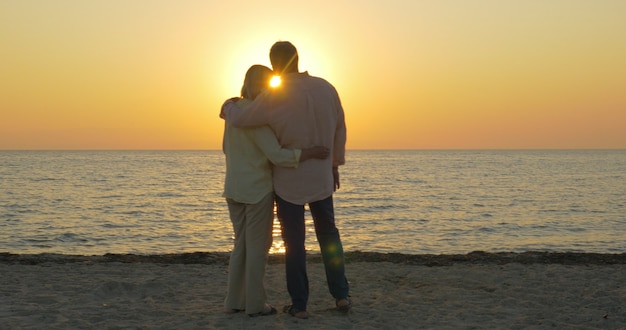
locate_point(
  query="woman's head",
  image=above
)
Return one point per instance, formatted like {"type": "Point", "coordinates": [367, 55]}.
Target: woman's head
{"type": "Point", "coordinates": [257, 79]}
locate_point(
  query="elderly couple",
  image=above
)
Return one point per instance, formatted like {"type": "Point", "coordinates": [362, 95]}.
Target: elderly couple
{"type": "Point", "coordinates": [277, 143]}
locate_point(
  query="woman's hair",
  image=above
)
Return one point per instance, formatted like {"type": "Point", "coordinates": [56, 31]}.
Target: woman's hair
{"type": "Point", "coordinates": [256, 80]}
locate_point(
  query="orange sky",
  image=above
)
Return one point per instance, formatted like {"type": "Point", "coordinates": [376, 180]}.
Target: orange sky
{"type": "Point", "coordinates": [152, 74]}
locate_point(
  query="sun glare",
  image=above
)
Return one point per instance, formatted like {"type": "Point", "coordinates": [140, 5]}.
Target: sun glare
{"type": "Point", "coordinates": [275, 81]}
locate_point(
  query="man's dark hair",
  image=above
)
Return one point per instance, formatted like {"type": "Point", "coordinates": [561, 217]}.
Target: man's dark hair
{"type": "Point", "coordinates": [284, 57]}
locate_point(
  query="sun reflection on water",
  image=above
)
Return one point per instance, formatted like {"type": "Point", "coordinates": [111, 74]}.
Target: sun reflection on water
{"type": "Point", "coordinates": [278, 246]}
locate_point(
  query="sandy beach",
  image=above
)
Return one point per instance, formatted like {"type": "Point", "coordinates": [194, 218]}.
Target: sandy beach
{"type": "Point", "coordinates": [389, 291]}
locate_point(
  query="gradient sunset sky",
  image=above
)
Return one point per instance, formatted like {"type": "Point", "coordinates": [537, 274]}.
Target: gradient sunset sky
{"type": "Point", "coordinates": [412, 74]}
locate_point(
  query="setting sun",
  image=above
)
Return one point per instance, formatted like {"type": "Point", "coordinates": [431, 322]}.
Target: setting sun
{"type": "Point", "coordinates": [275, 81]}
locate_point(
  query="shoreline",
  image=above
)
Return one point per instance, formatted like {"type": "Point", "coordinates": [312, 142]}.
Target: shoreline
{"type": "Point", "coordinates": [431, 260]}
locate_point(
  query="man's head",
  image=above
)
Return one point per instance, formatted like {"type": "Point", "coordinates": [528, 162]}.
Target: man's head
{"type": "Point", "coordinates": [284, 57]}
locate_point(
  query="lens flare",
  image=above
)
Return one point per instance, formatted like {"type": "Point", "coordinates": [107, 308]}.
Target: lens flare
{"type": "Point", "coordinates": [275, 81]}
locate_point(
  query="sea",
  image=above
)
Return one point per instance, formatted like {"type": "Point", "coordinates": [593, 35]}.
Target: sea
{"type": "Point", "coordinates": [390, 201]}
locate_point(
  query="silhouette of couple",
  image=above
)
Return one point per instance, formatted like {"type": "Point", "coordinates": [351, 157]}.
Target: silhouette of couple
{"type": "Point", "coordinates": [282, 145]}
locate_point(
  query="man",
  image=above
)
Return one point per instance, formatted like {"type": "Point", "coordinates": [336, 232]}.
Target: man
{"type": "Point", "coordinates": [304, 111]}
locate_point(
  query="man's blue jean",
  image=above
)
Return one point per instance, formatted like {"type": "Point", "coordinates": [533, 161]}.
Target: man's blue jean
{"type": "Point", "coordinates": [291, 217]}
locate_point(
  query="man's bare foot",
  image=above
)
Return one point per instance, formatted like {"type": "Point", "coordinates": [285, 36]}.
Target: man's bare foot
{"type": "Point", "coordinates": [343, 304]}
{"type": "Point", "coordinates": [295, 312]}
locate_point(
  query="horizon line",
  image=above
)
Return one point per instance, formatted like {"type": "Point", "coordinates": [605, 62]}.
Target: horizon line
{"type": "Point", "coordinates": [348, 149]}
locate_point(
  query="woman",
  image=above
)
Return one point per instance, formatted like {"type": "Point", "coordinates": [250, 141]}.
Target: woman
{"type": "Point", "coordinates": [248, 189]}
